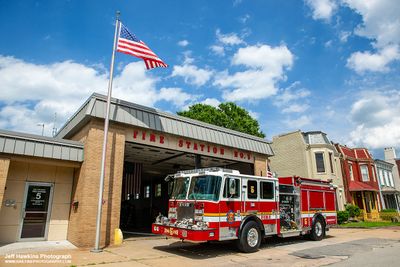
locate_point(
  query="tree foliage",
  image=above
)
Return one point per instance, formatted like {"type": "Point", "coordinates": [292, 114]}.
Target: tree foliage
{"type": "Point", "coordinates": [228, 115]}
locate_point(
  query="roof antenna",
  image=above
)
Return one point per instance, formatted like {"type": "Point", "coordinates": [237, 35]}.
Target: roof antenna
{"type": "Point", "coordinates": [54, 132]}
{"type": "Point", "coordinates": [41, 125]}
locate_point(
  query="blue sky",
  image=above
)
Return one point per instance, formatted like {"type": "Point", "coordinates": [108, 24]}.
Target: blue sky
{"type": "Point", "coordinates": [325, 65]}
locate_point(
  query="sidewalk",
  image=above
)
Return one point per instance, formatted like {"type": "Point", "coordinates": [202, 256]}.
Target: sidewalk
{"type": "Point", "coordinates": [171, 252]}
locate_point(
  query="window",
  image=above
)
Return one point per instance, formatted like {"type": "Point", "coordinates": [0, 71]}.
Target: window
{"type": "Point", "coordinates": [319, 160]}
{"type": "Point", "coordinates": [391, 179]}
{"type": "Point", "coordinates": [267, 190]}
{"type": "Point", "coordinates": [380, 173]}
{"type": "Point", "coordinates": [237, 188]}
{"type": "Point", "coordinates": [205, 187]}
{"type": "Point", "coordinates": [330, 161]}
{"type": "Point", "coordinates": [364, 173]}
{"type": "Point", "coordinates": [385, 174]}
{"type": "Point", "coordinates": [180, 189]}
{"type": "Point", "coordinates": [157, 193]}
{"type": "Point", "coordinates": [147, 191]}
{"type": "Point", "coordinates": [351, 171]}
{"type": "Point", "coordinates": [252, 189]}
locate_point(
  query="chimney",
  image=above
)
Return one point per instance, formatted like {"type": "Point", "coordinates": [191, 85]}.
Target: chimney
{"type": "Point", "coordinates": [390, 153]}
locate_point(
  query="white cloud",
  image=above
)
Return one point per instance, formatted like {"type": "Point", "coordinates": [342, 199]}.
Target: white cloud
{"type": "Point", "coordinates": [265, 68]}
{"type": "Point", "coordinates": [380, 24]}
{"type": "Point", "coordinates": [298, 123]}
{"type": "Point", "coordinates": [32, 93]}
{"type": "Point", "coordinates": [295, 108]}
{"type": "Point", "coordinates": [218, 50]}
{"type": "Point", "coordinates": [328, 43]}
{"type": "Point", "coordinates": [291, 94]}
{"type": "Point", "coordinates": [183, 43]}
{"type": "Point", "coordinates": [229, 38]}
{"type": "Point", "coordinates": [211, 101]}
{"type": "Point", "coordinates": [225, 42]}
{"type": "Point", "coordinates": [192, 74]}
{"type": "Point", "coordinates": [136, 85]}
{"type": "Point", "coordinates": [237, 2]}
{"type": "Point", "coordinates": [381, 20]}
{"type": "Point", "coordinates": [253, 114]}
{"type": "Point", "coordinates": [176, 96]}
{"type": "Point", "coordinates": [322, 9]}
{"type": "Point", "coordinates": [378, 62]}
{"type": "Point", "coordinates": [243, 19]}
{"type": "Point", "coordinates": [344, 35]}
{"type": "Point", "coordinates": [376, 119]}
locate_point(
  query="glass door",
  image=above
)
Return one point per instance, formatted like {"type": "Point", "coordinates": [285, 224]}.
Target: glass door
{"type": "Point", "coordinates": [35, 215]}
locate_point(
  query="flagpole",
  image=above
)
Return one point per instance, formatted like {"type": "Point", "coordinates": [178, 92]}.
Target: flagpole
{"type": "Point", "coordinates": [103, 156]}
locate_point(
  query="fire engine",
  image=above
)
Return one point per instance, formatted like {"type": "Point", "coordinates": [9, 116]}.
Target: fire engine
{"type": "Point", "coordinates": [218, 204]}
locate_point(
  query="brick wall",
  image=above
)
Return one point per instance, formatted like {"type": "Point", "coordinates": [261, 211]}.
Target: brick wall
{"type": "Point", "coordinates": [82, 227]}
{"type": "Point", "coordinates": [260, 166]}
{"type": "Point", "coordinates": [4, 164]}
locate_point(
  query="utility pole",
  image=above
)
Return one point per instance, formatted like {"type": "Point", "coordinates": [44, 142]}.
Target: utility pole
{"type": "Point", "coordinates": [54, 125]}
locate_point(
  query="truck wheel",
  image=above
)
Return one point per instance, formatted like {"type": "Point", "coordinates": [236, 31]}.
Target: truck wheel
{"type": "Point", "coordinates": [317, 230]}
{"type": "Point", "coordinates": [250, 238]}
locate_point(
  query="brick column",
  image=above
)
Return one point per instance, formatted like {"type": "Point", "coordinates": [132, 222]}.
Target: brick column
{"type": "Point", "coordinates": [260, 166]}
{"type": "Point", "coordinates": [82, 224]}
{"type": "Point", "coordinates": [4, 164]}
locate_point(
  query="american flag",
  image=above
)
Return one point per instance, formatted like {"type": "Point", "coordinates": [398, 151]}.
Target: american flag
{"type": "Point", "coordinates": [129, 44]}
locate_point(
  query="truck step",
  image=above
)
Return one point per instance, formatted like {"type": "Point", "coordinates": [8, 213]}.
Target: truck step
{"type": "Point", "coordinates": [290, 233]}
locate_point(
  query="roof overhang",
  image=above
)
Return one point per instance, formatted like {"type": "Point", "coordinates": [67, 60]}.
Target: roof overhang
{"type": "Point", "coordinates": [135, 115]}
{"type": "Point", "coordinates": [21, 144]}
{"type": "Point", "coordinates": [360, 186]}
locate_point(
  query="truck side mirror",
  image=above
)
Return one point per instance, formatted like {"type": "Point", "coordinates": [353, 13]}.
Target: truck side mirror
{"type": "Point", "coordinates": [232, 187]}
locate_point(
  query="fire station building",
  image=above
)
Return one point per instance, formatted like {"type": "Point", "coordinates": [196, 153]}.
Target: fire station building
{"type": "Point", "coordinates": [49, 186]}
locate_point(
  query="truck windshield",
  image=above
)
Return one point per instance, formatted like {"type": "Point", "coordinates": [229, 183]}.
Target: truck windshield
{"type": "Point", "coordinates": [205, 187]}
{"type": "Point", "coordinates": [180, 188]}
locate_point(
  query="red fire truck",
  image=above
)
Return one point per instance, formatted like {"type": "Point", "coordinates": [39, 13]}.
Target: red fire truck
{"type": "Point", "coordinates": [220, 204]}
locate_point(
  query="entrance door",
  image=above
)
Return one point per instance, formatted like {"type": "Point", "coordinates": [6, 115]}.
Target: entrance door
{"type": "Point", "coordinates": [36, 212]}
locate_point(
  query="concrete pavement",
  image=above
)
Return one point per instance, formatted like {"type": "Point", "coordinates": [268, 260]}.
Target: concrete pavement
{"type": "Point", "coordinates": [342, 247]}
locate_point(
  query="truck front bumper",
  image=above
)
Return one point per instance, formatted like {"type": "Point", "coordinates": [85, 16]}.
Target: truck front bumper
{"type": "Point", "coordinates": [184, 233]}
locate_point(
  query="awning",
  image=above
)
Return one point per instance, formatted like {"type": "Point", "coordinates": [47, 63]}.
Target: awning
{"type": "Point", "coordinates": [360, 186]}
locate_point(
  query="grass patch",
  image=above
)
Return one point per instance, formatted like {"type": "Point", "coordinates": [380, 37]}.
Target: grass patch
{"type": "Point", "coordinates": [362, 224]}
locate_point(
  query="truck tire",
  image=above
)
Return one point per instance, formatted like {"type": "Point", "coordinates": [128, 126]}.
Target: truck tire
{"type": "Point", "coordinates": [317, 230]}
{"type": "Point", "coordinates": [250, 238]}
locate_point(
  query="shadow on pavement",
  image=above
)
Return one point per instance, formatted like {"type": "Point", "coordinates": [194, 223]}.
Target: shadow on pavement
{"type": "Point", "coordinates": [216, 249]}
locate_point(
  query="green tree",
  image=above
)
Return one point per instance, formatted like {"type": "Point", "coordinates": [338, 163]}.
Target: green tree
{"type": "Point", "coordinates": [228, 115]}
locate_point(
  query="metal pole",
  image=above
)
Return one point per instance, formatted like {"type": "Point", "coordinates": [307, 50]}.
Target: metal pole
{"type": "Point", "coordinates": [103, 156]}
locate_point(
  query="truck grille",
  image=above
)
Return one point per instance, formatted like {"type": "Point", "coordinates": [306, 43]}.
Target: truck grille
{"type": "Point", "coordinates": [185, 211]}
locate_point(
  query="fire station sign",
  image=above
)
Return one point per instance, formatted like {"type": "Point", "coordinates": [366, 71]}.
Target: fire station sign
{"type": "Point", "coordinates": [148, 137]}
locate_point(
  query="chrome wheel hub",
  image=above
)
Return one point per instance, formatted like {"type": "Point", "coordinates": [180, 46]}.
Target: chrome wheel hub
{"type": "Point", "coordinates": [318, 228]}
{"type": "Point", "coordinates": [252, 237]}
